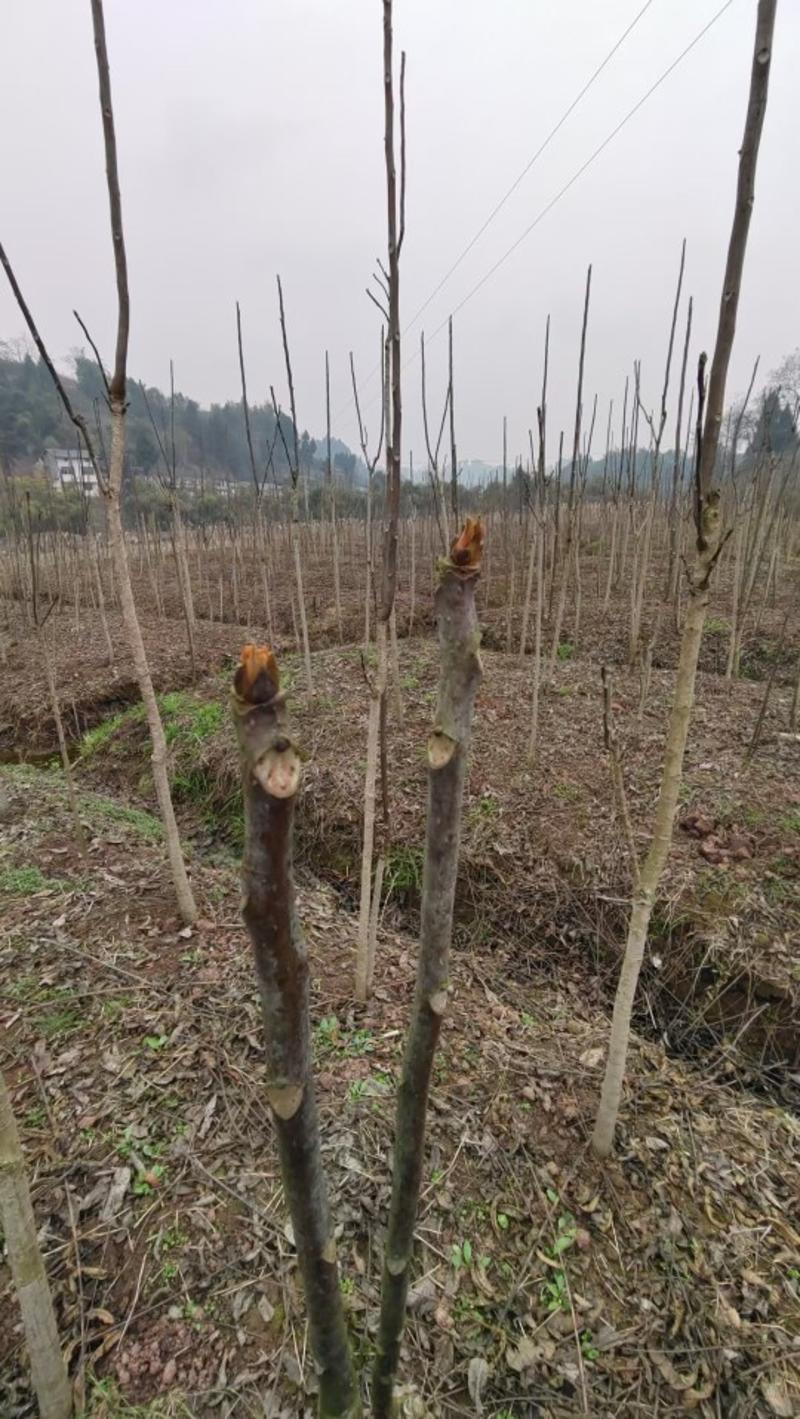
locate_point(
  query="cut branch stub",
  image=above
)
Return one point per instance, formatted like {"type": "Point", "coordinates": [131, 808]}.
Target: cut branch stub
{"type": "Point", "coordinates": [467, 549]}
{"type": "Point", "coordinates": [271, 755]}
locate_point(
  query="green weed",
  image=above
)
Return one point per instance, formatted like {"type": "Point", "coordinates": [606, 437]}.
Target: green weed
{"type": "Point", "coordinates": [115, 1006]}
{"type": "Point", "coordinates": [589, 1350]}
{"type": "Point", "coordinates": [148, 1182]}
{"type": "Point", "coordinates": [566, 650]}
{"type": "Point", "coordinates": [24, 881]}
{"type": "Point", "coordinates": [484, 809]}
{"type": "Point", "coordinates": [330, 1038]}
{"type": "Point", "coordinates": [567, 792]}
{"type": "Point", "coordinates": [192, 785]}
{"type": "Point", "coordinates": [404, 870]}
{"type": "Point", "coordinates": [106, 1402]}
{"type": "Point", "coordinates": [555, 1290]}
{"type": "Point", "coordinates": [461, 1254]}
{"type": "Point", "coordinates": [170, 1239]}
{"type": "Point", "coordinates": [142, 822]}
{"type": "Point", "coordinates": [554, 1293]}
{"type": "Point", "coordinates": [189, 719]}
{"type": "Point", "coordinates": [62, 1022]}
{"type": "Point", "coordinates": [102, 733]}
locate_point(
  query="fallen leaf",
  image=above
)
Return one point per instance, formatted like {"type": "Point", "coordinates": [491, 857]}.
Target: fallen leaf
{"type": "Point", "coordinates": [477, 1375]}
{"type": "Point", "coordinates": [779, 1401]}
{"type": "Point", "coordinates": [120, 1183]}
{"type": "Point", "coordinates": [527, 1353]}
{"type": "Point", "coordinates": [423, 1294]}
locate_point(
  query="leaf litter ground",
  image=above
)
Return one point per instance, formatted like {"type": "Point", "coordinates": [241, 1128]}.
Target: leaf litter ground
{"type": "Point", "coordinates": [544, 1284]}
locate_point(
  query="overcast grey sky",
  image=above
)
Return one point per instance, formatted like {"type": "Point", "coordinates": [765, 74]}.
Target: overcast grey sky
{"type": "Point", "coordinates": [250, 141]}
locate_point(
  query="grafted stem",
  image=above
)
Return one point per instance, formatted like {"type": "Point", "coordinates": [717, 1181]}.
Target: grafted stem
{"type": "Point", "coordinates": [448, 748]}
{"type": "Point", "coordinates": [270, 779]}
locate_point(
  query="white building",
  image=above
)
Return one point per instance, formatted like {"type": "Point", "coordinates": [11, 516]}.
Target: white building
{"type": "Point", "coordinates": [69, 468]}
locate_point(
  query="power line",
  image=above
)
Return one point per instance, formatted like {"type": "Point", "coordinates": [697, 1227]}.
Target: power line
{"type": "Point", "coordinates": [515, 184]}
{"type": "Point", "coordinates": [576, 175]}
{"type": "Point", "coordinates": [583, 168]}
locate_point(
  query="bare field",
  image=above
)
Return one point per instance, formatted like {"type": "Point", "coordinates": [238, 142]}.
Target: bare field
{"type": "Point", "coordinates": [665, 1281]}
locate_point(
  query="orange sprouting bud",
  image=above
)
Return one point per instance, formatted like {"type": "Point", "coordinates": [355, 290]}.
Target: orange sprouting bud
{"type": "Point", "coordinates": [466, 550]}
{"type": "Point", "coordinates": [257, 678]}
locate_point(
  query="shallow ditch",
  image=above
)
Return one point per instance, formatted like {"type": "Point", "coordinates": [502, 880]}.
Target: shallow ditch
{"type": "Point", "coordinates": [700, 999]}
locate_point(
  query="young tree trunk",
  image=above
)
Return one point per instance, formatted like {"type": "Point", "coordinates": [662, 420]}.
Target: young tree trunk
{"type": "Point", "coordinates": [270, 779]}
{"type": "Point", "coordinates": [537, 640]}
{"type": "Point", "coordinates": [62, 742]}
{"type": "Point", "coordinates": [448, 748]}
{"type": "Point", "coordinates": [330, 488]}
{"type": "Point", "coordinates": [184, 581]}
{"type": "Point", "coordinates": [707, 525]}
{"type": "Point", "coordinates": [413, 587]}
{"type": "Point", "coordinates": [653, 866]}
{"type": "Point", "coordinates": [510, 606]}
{"type": "Point", "coordinates": [370, 579]}
{"type": "Point", "coordinates": [301, 600]}
{"type": "Point", "coordinates": [377, 689]}
{"type": "Point", "coordinates": [133, 633]}
{"type": "Point", "coordinates": [526, 607]}
{"type": "Point", "coordinates": [397, 691]}
{"type": "Point", "coordinates": [393, 422]}
{"type": "Point", "coordinates": [48, 1372]}
{"type": "Point", "coordinates": [101, 600]}
{"type": "Point", "coordinates": [111, 485]}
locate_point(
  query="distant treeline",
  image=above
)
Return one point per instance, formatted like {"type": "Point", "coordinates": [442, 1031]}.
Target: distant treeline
{"type": "Point", "coordinates": [210, 441]}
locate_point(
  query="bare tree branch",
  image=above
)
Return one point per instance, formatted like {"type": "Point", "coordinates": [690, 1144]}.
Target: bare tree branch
{"type": "Point", "coordinates": [96, 354]}
{"type": "Point", "coordinates": [245, 409]}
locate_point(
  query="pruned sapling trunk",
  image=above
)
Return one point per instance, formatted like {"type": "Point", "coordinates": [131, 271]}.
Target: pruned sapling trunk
{"type": "Point", "coordinates": [270, 779]}
{"type": "Point", "coordinates": [448, 748]}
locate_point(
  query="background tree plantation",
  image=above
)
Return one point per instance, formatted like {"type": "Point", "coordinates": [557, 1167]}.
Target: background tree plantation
{"type": "Point", "coordinates": [400, 847]}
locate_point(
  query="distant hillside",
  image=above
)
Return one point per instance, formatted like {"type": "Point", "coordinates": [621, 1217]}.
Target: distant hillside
{"type": "Point", "coordinates": [207, 441]}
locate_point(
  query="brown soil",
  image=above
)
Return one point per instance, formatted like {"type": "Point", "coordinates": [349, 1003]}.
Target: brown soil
{"type": "Point", "coordinates": [544, 867]}
{"type": "Point", "coordinates": [665, 1281]}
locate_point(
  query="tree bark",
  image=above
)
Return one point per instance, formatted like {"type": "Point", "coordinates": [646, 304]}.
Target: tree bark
{"type": "Point", "coordinates": [133, 633]}
{"type": "Point", "coordinates": [270, 779]}
{"type": "Point", "coordinates": [377, 690]}
{"type": "Point", "coordinates": [48, 1371]}
{"type": "Point", "coordinates": [448, 748]}
{"type": "Point", "coordinates": [708, 529]}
